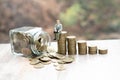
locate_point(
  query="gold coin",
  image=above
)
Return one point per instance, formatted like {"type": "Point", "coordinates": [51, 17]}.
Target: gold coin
{"type": "Point", "coordinates": [53, 56]}
{"type": "Point", "coordinates": [71, 56]}
{"type": "Point", "coordinates": [55, 64]}
{"type": "Point", "coordinates": [46, 63]}
{"type": "Point", "coordinates": [59, 56]}
{"type": "Point", "coordinates": [54, 60]}
{"type": "Point", "coordinates": [34, 61]}
{"type": "Point", "coordinates": [45, 59]}
{"type": "Point", "coordinates": [50, 56]}
{"type": "Point", "coordinates": [39, 65]}
{"type": "Point", "coordinates": [60, 67]}
{"type": "Point", "coordinates": [61, 62]}
{"type": "Point", "coordinates": [68, 60]}
{"type": "Point", "coordinates": [26, 51]}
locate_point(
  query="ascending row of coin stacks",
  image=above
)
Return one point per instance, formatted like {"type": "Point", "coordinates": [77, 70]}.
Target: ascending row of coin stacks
{"type": "Point", "coordinates": [68, 43]}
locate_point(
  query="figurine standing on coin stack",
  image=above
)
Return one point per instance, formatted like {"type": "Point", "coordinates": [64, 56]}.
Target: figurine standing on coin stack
{"type": "Point", "coordinates": [71, 41]}
{"type": "Point", "coordinates": [57, 30]}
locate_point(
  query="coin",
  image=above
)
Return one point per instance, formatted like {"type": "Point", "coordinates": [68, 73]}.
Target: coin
{"type": "Point", "coordinates": [54, 60]}
{"type": "Point", "coordinates": [50, 56]}
{"type": "Point", "coordinates": [34, 61]}
{"type": "Point", "coordinates": [38, 45]}
{"type": "Point", "coordinates": [60, 67]}
{"type": "Point", "coordinates": [61, 62]}
{"type": "Point", "coordinates": [26, 51]}
{"type": "Point", "coordinates": [68, 60]}
{"type": "Point", "coordinates": [46, 63]}
{"type": "Point", "coordinates": [58, 56]}
{"type": "Point", "coordinates": [39, 65]}
{"type": "Point", "coordinates": [45, 59]}
{"type": "Point", "coordinates": [55, 64]}
{"type": "Point", "coordinates": [43, 48]}
{"type": "Point", "coordinates": [54, 56]}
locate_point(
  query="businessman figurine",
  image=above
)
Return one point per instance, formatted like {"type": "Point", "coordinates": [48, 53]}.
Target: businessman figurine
{"type": "Point", "coordinates": [57, 30]}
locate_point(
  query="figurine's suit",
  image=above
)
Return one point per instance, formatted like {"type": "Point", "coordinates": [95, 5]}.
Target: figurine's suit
{"type": "Point", "coordinates": [57, 30]}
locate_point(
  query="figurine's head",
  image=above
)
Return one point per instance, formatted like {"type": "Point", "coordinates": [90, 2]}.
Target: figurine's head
{"type": "Point", "coordinates": [58, 21]}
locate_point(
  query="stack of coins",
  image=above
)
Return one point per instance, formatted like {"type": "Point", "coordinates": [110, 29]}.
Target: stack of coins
{"type": "Point", "coordinates": [92, 49]}
{"type": "Point", "coordinates": [71, 45]}
{"type": "Point", "coordinates": [82, 47]}
{"type": "Point", "coordinates": [102, 51]}
{"type": "Point", "coordinates": [62, 43]}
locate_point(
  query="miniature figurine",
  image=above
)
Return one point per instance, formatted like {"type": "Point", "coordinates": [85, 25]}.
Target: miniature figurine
{"type": "Point", "coordinates": [57, 30]}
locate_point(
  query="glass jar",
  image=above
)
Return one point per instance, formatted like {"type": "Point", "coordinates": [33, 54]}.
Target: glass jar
{"type": "Point", "coordinates": [28, 41]}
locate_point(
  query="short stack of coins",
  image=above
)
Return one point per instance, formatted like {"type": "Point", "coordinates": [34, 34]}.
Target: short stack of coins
{"type": "Point", "coordinates": [71, 45]}
{"type": "Point", "coordinates": [102, 51]}
{"type": "Point", "coordinates": [82, 47]}
{"type": "Point", "coordinates": [92, 49]}
{"type": "Point", "coordinates": [62, 43]}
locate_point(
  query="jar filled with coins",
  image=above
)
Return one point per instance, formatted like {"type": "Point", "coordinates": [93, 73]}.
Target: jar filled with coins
{"type": "Point", "coordinates": [25, 41]}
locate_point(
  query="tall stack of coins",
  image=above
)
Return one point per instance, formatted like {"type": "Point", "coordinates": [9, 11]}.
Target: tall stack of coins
{"type": "Point", "coordinates": [82, 47]}
{"type": "Point", "coordinates": [92, 49]}
{"type": "Point", "coordinates": [71, 44]}
{"type": "Point", "coordinates": [62, 43]}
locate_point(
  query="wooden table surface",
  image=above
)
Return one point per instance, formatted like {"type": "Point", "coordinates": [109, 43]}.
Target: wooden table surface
{"type": "Point", "coordinates": [85, 67]}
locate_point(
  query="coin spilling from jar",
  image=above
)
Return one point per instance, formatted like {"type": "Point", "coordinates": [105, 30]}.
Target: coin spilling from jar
{"type": "Point", "coordinates": [58, 60]}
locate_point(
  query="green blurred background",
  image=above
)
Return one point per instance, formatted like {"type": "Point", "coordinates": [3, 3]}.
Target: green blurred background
{"type": "Point", "coordinates": [86, 19]}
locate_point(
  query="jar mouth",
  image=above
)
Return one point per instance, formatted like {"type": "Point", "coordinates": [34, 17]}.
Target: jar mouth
{"type": "Point", "coordinates": [39, 46]}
